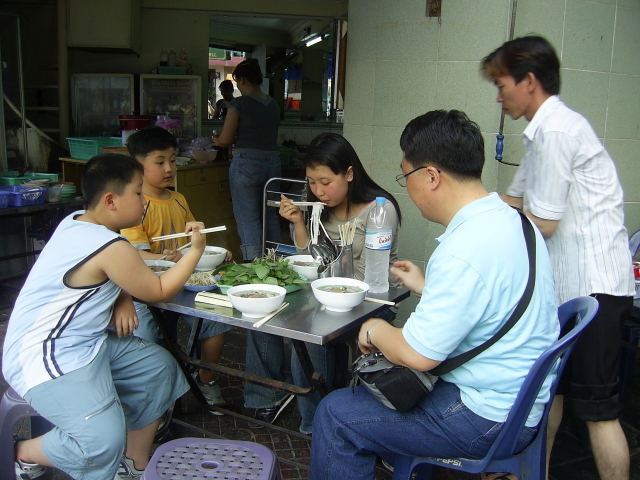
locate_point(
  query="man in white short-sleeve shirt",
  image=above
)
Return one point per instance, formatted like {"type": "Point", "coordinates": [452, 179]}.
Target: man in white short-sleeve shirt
{"type": "Point", "coordinates": [568, 185]}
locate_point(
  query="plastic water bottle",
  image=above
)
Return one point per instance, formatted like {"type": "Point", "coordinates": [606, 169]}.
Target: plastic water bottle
{"type": "Point", "coordinates": [378, 241]}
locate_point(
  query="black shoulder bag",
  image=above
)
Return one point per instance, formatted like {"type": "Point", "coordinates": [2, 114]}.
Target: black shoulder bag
{"type": "Point", "coordinates": [401, 388]}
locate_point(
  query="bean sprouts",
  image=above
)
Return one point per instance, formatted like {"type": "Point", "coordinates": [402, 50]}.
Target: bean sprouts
{"type": "Point", "coordinates": [201, 279]}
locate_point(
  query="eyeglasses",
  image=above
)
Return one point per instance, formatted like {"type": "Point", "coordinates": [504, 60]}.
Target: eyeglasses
{"type": "Point", "coordinates": [402, 178]}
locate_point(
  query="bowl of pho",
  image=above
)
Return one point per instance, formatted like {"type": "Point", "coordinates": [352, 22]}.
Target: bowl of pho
{"type": "Point", "coordinates": [159, 266]}
{"type": "Point", "coordinates": [255, 300]}
{"type": "Point", "coordinates": [305, 265]}
{"type": "Point", "coordinates": [339, 294]}
{"type": "Point", "coordinates": [210, 259]}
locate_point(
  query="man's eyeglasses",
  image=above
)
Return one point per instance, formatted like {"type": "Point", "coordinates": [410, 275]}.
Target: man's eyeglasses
{"type": "Point", "coordinates": [402, 178]}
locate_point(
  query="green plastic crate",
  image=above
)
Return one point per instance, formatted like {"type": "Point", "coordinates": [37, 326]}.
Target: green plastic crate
{"type": "Point", "coordinates": [83, 148]}
{"type": "Point", "coordinates": [10, 173]}
{"type": "Point", "coordinates": [53, 177]}
{"type": "Point", "coordinates": [12, 181]}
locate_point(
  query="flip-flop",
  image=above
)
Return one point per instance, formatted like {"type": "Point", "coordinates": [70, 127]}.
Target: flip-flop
{"type": "Point", "coordinates": [504, 476]}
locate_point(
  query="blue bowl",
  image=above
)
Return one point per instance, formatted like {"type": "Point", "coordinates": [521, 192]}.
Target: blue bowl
{"type": "Point", "coordinates": [205, 288]}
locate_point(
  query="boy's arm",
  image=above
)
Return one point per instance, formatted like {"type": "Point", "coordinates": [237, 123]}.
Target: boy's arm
{"type": "Point", "coordinates": [124, 318]}
{"type": "Point", "coordinates": [121, 263]}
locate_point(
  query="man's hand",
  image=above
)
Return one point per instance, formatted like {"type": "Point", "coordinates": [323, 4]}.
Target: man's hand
{"type": "Point", "coordinates": [363, 344]}
{"type": "Point", "coordinates": [124, 318]}
{"type": "Point", "coordinates": [409, 275]}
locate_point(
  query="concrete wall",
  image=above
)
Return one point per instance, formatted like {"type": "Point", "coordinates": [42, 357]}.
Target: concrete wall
{"type": "Point", "coordinates": [402, 64]}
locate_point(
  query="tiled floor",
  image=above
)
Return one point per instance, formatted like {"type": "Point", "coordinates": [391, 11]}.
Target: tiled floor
{"type": "Point", "coordinates": [570, 460]}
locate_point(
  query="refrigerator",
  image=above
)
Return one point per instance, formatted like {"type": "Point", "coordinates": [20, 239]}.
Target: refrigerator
{"type": "Point", "coordinates": [97, 100]}
{"type": "Point", "coordinates": [177, 97]}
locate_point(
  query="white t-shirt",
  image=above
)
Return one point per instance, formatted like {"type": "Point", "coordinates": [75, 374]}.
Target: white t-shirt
{"type": "Point", "coordinates": [568, 176]}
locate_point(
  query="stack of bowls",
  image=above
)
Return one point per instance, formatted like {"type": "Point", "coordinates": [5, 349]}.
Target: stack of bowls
{"type": "Point", "coordinates": [68, 189]}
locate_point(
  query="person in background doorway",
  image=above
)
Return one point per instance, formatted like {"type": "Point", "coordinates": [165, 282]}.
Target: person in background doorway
{"type": "Point", "coordinates": [252, 126]}
{"type": "Point", "coordinates": [568, 186]}
{"type": "Point", "coordinates": [226, 90]}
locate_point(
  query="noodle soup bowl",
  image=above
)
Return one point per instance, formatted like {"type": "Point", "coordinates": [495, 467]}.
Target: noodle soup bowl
{"type": "Point", "coordinates": [347, 293]}
{"type": "Point", "coordinates": [159, 266]}
{"type": "Point", "coordinates": [254, 306]}
{"type": "Point", "coordinates": [301, 264]}
{"type": "Point", "coordinates": [210, 259]}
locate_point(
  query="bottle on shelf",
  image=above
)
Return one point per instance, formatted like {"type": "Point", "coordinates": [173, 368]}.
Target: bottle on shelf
{"type": "Point", "coordinates": [183, 58]}
{"type": "Point", "coordinates": [222, 152]}
{"type": "Point", "coordinates": [164, 58]}
{"type": "Point", "coordinates": [172, 58]}
{"type": "Point", "coordinates": [379, 236]}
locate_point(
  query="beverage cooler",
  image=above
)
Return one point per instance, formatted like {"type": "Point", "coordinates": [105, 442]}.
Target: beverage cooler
{"type": "Point", "coordinates": [97, 101]}
{"type": "Point", "coordinates": [173, 97]}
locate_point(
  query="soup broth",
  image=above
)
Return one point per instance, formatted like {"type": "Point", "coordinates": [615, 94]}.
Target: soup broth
{"type": "Point", "coordinates": [206, 252]}
{"type": "Point", "coordinates": [159, 269]}
{"type": "Point", "coordinates": [306, 264]}
{"type": "Point", "coordinates": [340, 289]}
{"type": "Point", "coordinates": [256, 294]}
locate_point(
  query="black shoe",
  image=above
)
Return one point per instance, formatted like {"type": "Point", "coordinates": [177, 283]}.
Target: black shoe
{"type": "Point", "coordinates": [270, 414]}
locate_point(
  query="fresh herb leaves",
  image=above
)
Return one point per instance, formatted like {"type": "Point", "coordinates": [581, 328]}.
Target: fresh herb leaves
{"type": "Point", "coordinates": [269, 271]}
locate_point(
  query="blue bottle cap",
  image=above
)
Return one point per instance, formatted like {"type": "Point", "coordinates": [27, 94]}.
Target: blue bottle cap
{"type": "Point", "coordinates": [381, 200]}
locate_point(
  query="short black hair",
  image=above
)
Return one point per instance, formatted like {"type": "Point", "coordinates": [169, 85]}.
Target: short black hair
{"type": "Point", "coordinates": [248, 69]}
{"type": "Point", "coordinates": [226, 85]}
{"type": "Point", "coordinates": [150, 139]}
{"type": "Point", "coordinates": [522, 55]}
{"type": "Point", "coordinates": [447, 140]}
{"type": "Point", "coordinates": [335, 152]}
{"type": "Point", "coordinates": [107, 172]}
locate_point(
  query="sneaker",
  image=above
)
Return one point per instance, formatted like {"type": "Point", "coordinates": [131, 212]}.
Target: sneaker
{"type": "Point", "coordinates": [211, 392]}
{"type": "Point", "coordinates": [28, 471]}
{"type": "Point", "coordinates": [127, 471]}
{"type": "Point", "coordinates": [270, 414]}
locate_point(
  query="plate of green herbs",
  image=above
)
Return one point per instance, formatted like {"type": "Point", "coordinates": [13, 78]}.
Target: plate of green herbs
{"type": "Point", "coordinates": [271, 270]}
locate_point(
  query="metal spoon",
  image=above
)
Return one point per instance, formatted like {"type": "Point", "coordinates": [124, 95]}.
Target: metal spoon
{"type": "Point", "coordinates": [322, 253]}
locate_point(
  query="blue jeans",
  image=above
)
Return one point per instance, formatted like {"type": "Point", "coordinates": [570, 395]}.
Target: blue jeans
{"type": "Point", "coordinates": [351, 428]}
{"type": "Point", "coordinates": [148, 328]}
{"type": "Point", "coordinates": [248, 174]}
{"type": "Point", "coordinates": [265, 356]}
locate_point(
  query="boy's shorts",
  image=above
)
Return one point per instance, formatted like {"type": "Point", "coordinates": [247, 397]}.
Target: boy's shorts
{"type": "Point", "coordinates": [128, 385]}
{"type": "Point", "coordinates": [591, 375]}
{"type": "Point", "coordinates": [148, 328]}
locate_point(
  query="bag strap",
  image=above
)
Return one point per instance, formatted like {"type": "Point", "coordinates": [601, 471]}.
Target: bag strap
{"type": "Point", "coordinates": [530, 239]}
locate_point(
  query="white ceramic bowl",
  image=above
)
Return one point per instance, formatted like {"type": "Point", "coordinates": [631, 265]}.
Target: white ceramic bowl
{"type": "Point", "coordinates": [310, 273]}
{"type": "Point", "coordinates": [339, 302]}
{"type": "Point", "coordinates": [159, 263]}
{"type": "Point", "coordinates": [210, 259]}
{"type": "Point", "coordinates": [256, 307]}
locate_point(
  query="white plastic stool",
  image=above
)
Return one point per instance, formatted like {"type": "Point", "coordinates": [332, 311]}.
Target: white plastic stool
{"type": "Point", "coordinates": [205, 458]}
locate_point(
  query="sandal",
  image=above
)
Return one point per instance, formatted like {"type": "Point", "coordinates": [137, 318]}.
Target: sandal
{"type": "Point", "coordinates": [501, 476]}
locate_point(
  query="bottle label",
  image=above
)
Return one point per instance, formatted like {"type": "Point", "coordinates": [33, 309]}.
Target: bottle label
{"type": "Point", "coordinates": [378, 240]}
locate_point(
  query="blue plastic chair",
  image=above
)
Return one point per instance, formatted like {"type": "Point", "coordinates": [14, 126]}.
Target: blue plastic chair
{"type": "Point", "coordinates": [530, 464]}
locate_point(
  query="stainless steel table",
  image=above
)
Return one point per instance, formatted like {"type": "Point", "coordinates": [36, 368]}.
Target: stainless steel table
{"type": "Point", "coordinates": [304, 320]}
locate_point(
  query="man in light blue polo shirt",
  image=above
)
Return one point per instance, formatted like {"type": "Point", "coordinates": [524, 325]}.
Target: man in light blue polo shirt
{"type": "Point", "coordinates": [475, 279]}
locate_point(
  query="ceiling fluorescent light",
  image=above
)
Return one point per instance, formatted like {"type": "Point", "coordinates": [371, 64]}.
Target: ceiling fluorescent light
{"type": "Point", "coordinates": [314, 40]}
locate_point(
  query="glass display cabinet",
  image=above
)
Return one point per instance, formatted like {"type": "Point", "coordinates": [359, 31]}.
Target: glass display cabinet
{"type": "Point", "coordinates": [98, 100]}
{"type": "Point", "coordinates": [174, 96]}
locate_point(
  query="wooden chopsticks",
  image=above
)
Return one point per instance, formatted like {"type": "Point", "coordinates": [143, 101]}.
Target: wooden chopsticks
{"type": "Point", "coordinates": [298, 204]}
{"type": "Point", "coordinates": [179, 235]}
{"type": "Point", "coordinates": [259, 323]}
{"type": "Point", "coordinates": [177, 250]}
{"type": "Point", "coordinates": [377, 300]}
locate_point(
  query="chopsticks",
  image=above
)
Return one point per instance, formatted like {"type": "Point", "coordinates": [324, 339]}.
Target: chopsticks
{"type": "Point", "coordinates": [177, 250]}
{"type": "Point", "coordinates": [298, 204]}
{"type": "Point", "coordinates": [259, 323]}
{"type": "Point", "coordinates": [213, 299]}
{"type": "Point", "coordinates": [178, 235]}
{"type": "Point", "coordinates": [377, 300]}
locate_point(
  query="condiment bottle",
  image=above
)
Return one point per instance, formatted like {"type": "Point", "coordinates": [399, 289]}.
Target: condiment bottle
{"type": "Point", "coordinates": [172, 58]}
{"type": "Point", "coordinates": [164, 58]}
{"type": "Point", "coordinates": [183, 58]}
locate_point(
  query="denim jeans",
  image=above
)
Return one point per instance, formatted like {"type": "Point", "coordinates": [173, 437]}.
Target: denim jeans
{"type": "Point", "coordinates": [148, 328]}
{"type": "Point", "coordinates": [351, 428]}
{"type": "Point", "coordinates": [248, 174]}
{"type": "Point", "coordinates": [265, 356]}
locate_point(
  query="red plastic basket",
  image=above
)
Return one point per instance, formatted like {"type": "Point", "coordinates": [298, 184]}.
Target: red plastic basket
{"type": "Point", "coordinates": [23, 196]}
